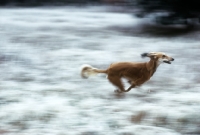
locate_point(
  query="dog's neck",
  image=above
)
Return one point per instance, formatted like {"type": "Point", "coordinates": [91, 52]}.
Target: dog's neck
{"type": "Point", "coordinates": [152, 66]}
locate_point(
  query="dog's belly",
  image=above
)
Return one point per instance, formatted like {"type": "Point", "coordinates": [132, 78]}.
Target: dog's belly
{"type": "Point", "coordinates": [135, 79]}
{"type": "Point", "coordinates": [132, 79]}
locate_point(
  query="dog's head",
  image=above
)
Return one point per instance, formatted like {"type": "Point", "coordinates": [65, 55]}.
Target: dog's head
{"type": "Point", "coordinates": [158, 56]}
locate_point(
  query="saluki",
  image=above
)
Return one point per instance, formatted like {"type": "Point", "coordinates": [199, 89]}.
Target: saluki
{"type": "Point", "coordinates": [135, 73]}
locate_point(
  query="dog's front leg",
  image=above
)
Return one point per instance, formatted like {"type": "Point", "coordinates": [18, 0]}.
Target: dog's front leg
{"type": "Point", "coordinates": [132, 86]}
{"type": "Point", "coordinates": [129, 81]}
{"type": "Point", "coordinates": [135, 83]}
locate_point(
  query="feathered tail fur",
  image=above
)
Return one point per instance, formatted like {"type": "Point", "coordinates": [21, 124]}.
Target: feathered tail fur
{"type": "Point", "coordinates": [87, 70]}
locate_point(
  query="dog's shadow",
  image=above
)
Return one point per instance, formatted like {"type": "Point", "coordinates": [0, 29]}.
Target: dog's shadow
{"type": "Point", "coordinates": [139, 94]}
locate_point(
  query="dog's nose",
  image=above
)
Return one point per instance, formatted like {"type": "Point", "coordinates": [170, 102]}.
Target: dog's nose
{"type": "Point", "coordinates": [172, 59]}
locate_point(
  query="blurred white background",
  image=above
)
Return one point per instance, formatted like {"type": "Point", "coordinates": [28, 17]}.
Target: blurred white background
{"type": "Point", "coordinates": [41, 91]}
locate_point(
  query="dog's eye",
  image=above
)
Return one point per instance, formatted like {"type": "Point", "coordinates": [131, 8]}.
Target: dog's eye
{"type": "Point", "coordinates": [163, 56]}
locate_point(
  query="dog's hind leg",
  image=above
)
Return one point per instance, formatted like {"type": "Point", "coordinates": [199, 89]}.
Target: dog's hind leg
{"type": "Point", "coordinates": [138, 82]}
{"type": "Point", "coordinates": [115, 80]}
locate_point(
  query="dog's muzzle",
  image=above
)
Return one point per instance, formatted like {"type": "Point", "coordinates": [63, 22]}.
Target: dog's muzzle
{"type": "Point", "coordinates": [168, 62]}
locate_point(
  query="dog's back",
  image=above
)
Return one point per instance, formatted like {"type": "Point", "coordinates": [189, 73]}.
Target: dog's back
{"type": "Point", "coordinates": [126, 68]}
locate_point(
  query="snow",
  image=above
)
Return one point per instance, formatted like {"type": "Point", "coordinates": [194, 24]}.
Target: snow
{"type": "Point", "coordinates": [41, 91]}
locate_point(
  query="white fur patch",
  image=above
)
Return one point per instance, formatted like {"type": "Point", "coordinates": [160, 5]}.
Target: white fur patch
{"type": "Point", "coordinates": [85, 65]}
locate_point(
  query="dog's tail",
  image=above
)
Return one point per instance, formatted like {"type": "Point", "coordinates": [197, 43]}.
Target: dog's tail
{"type": "Point", "coordinates": [87, 70]}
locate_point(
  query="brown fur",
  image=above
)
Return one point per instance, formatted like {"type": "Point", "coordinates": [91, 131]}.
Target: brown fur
{"type": "Point", "coordinates": [135, 73]}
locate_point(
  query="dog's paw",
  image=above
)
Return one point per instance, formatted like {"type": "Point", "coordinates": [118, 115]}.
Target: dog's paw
{"type": "Point", "coordinates": [117, 91]}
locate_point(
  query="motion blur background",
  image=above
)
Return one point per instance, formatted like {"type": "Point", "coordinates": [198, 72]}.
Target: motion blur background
{"type": "Point", "coordinates": [44, 43]}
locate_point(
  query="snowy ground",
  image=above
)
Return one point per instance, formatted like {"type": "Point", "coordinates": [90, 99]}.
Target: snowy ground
{"type": "Point", "coordinates": [41, 91]}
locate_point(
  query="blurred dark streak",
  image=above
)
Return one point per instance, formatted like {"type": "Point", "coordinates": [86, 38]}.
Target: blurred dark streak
{"type": "Point", "coordinates": [155, 30]}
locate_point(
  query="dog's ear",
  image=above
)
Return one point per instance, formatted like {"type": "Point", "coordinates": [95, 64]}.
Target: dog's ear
{"type": "Point", "coordinates": [144, 55]}
{"type": "Point", "coordinates": [153, 55]}
{"type": "Point", "coordinates": [150, 55]}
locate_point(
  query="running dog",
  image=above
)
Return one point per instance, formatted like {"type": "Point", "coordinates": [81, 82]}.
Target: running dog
{"type": "Point", "coordinates": [135, 73]}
